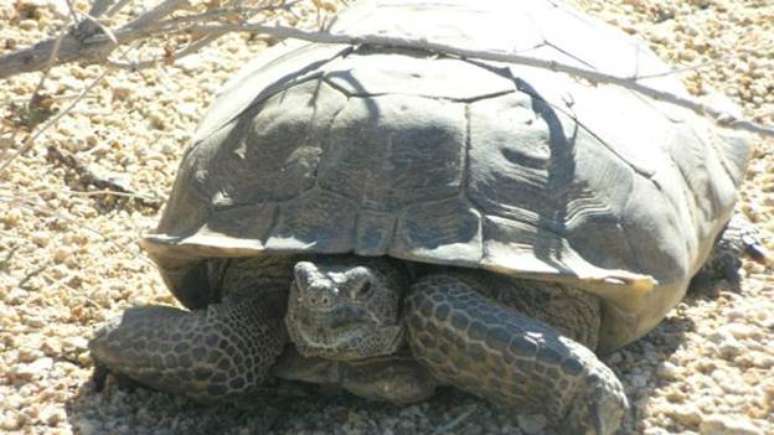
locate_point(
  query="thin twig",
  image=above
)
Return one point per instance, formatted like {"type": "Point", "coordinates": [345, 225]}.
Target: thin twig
{"type": "Point", "coordinates": [30, 141]}
{"type": "Point", "coordinates": [207, 39]}
{"type": "Point", "coordinates": [454, 423]}
{"type": "Point", "coordinates": [165, 8]}
{"type": "Point", "coordinates": [688, 68]}
{"type": "Point", "coordinates": [107, 186]}
{"type": "Point", "coordinates": [153, 199]}
{"type": "Point", "coordinates": [47, 69]}
{"type": "Point", "coordinates": [718, 115]}
{"type": "Point", "coordinates": [5, 262]}
{"type": "Point", "coordinates": [98, 46]}
{"type": "Point", "coordinates": [73, 15]}
{"type": "Point", "coordinates": [102, 27]}
{"type": "Point", "coordinates": [113, 9]}
{"type": "Point", "coordinates": [99, 7]}
{"type": "Point", "coordinates": [188, 50]}
{"type": "Point", "coordinates": [32, 274]}
{"type": "Point", "coordinates": [225, 13]}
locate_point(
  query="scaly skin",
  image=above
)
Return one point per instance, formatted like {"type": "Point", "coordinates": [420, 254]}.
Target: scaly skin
{"type": "Point", "coordinates": [461, 328]}
{"type": "Point", "coordinates": [519, 343]}
{"type": "Point", "coordinates": [346, 307]}
{"type": "Point", "coordinates": [497, 353]}
{"type": "Point", "coordinates": [221, 352]}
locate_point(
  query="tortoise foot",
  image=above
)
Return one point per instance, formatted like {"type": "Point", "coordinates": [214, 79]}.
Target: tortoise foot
{"type": "Point", "coordinates": [501, 355]}
{"type": "Point", "coordinates": [207, 355]}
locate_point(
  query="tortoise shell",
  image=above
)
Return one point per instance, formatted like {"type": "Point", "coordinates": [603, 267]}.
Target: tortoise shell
{"type": "Point", "coordinates": [437, 159]}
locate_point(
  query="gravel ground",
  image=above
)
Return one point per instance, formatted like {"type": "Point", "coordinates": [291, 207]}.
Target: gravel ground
{"type": "Point", "coordinates": [70, 259]}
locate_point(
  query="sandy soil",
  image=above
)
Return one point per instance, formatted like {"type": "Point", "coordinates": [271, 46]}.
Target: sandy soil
{"type": "Point", "coordinates": [69, 257]}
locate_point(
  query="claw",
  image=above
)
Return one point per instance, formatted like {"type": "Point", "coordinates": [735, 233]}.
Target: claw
{"type": "Point", "coordinates": [754, 249]}
{"type": "Point", "coordinates": [599, 410]}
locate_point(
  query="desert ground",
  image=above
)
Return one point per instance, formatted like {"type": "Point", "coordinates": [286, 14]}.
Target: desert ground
{"type": "Point", "coordinates": [69, 257]}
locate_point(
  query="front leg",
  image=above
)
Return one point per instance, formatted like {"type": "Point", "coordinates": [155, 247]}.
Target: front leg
{"type": "Point", "coordinates": [497, 353]}
{"type": "Point", "coordinates": [220, 352]}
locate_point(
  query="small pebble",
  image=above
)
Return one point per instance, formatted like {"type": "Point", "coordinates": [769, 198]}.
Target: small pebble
{"type": "Point", "coordinates": [687, 414]}
{"type": "Point", "coordinates": [35, 370]}
{"type": "Point", "coordinates": [728, 425]}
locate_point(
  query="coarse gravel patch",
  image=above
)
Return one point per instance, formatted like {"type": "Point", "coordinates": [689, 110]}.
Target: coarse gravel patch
{"type": "Point", "coordinates": [69, 257]}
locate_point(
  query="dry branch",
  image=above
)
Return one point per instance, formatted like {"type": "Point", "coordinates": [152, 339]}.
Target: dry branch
{"type": "Point", "coordinates": [633, 83]}
{"type": "Point", "coordinates": [96, 47]}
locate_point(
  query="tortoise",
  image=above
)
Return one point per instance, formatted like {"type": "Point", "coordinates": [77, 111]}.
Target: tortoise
{"type": "Point", "coordinates": [394, 219]}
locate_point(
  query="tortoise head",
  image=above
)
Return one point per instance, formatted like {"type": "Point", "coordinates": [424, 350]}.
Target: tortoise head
{"type": "Point", "coordinates": [346, 307]}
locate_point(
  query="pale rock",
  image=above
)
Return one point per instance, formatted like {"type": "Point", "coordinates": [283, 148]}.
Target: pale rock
{"type": "Point", "coordinates": [676, 396]}
{"type": "Point", "coordinates": [40, 238]}
{"type": "Point", "coordinates": [74, 344]}
{"type": "Point", "coordinates": [719, 336]}
{"type": "Point", "coordinates": [27, 354]}
{"type": "Point", "coordinates": [724, 343]}
{"type": "Point", "coordinates": [739, 331]}
{"type": "Point", "coordinates": [84, 359]}
{"type": "Point", "coordinates": [12, 421]}
{"type": "Point", "coordinates": [58, 6]}
{"type": "Point", "coordinates": [13, 402]}
{"type": "Point", "coordinates": [187, 109]}
{"type": "Point", "coordinates": [52, 415]}
{"type": "Point", "coordinates": [688, 415]}
{"type": "Point", "coordinates": [728, 425]}
{"type": "Point", "coordinates": [730, 348]}
{"type": "Point", "coordinates": [121, 92]}
{"type": "Point", "coordinates": [34, 370]}
{"type": "Point", "coordinates": [668, 371]}
{"type": "Point", "coordinates": [191, 63]}
{"type": "Point", "coordinates": [61, 254]}
{"type": "Point", "coordinates": [28, 25]}
{"type": "Point", "coordinates": [34, 322]}
{"type": "Point", "coordinates": [729, 382]}
{"type": "Point", "coordinates": [16, 296]}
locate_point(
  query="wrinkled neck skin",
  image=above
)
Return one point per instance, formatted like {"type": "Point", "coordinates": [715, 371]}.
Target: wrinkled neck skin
{"type": "Point", "coordinates": [345, 307]}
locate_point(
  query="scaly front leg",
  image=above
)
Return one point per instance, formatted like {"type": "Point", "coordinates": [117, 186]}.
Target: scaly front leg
{"type": "Point", "coordinates": [220, 352]}
{"type": "Point", "coordinates": [470, 341]}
